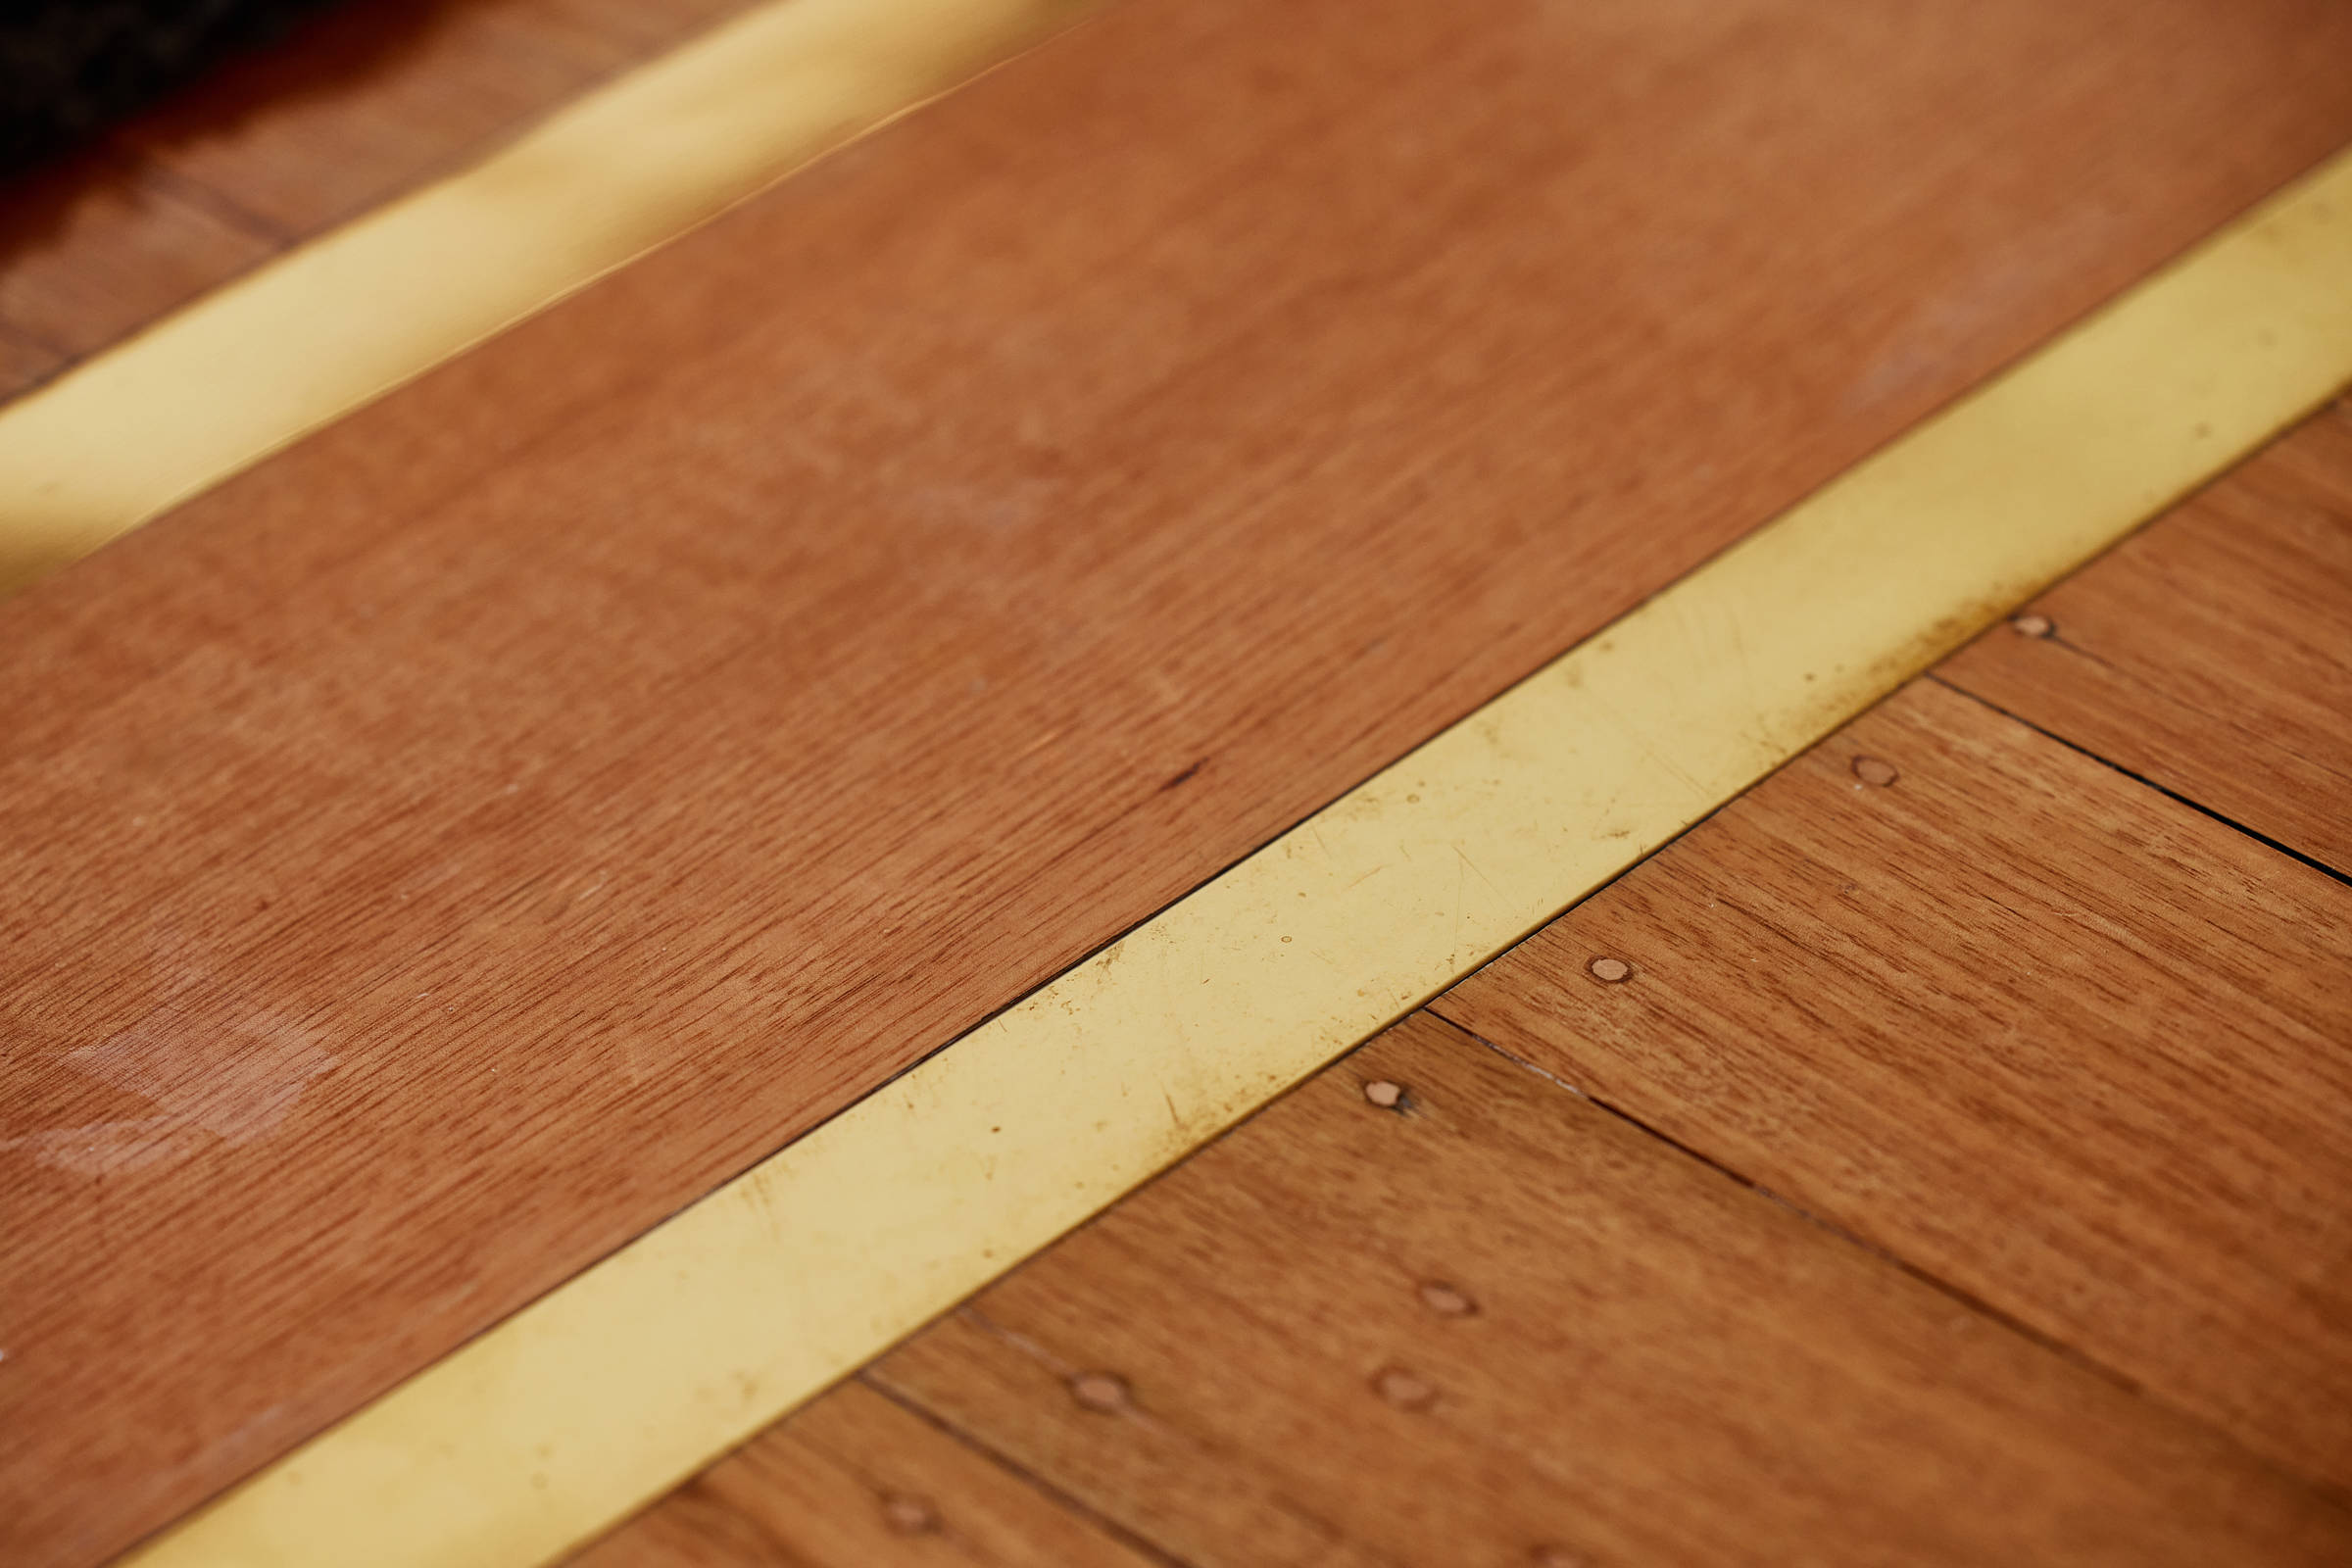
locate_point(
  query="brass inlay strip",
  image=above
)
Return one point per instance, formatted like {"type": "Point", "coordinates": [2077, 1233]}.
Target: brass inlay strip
{"type": "Point", "coordinates": [632, 1376]}
{"type": "Point", "coordinates": [345, 318]}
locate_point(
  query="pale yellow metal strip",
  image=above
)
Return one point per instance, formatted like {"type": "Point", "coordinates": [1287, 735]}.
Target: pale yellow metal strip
{"type": "Point", "coordinates": [633, 1375]}
{"type": "Point", "coordinates": [347, 317]}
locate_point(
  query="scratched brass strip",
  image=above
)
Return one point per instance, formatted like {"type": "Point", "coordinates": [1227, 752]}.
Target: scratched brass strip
{"type": "Point", "coordinates": [343, 319]}
{"type": "Point", "coordinates": [626, 1380]}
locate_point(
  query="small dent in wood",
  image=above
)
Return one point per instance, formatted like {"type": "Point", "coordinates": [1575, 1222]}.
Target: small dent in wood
{"type": "Point", "coordinates": [1445, 1300]}
{"type": "Point", "coordinates": [1103, 1393]}
{"type": "Point", "coordinates": [1406, 1391]}
{"type": "Point", "coordinates": [1874, 771]}
{"type": "Point", "coordinates": [2032, 626]}
{"type": "Point", "coordinates": [909, 1515]}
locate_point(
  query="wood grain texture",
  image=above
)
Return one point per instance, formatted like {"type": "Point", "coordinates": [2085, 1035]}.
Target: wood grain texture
{"type": "Point", "coordinates": [407, 90]}
{"type": "Point", "coordinates": [24, 358]}
{"type": "Point", "coordinates": [857, 1479]}
{"type": "Point", "coordinates": [344, 318]}
{"type": "Point", "coordinates": [2213, 652]}
{"type": "Point", "coordinates": [2069, 1046]}
{"type": "Point", "coordinates": [1659, 1364]}
{"type": "Point", "coordinates": [98, 247]}
{"type": "Point", "coordinates": [449, 847]}
{"type": "Point", "coordinates": [355, 108]}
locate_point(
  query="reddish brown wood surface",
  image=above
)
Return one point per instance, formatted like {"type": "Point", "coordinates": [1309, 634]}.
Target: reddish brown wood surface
{"type": "Point", "coordinates": [2073, 1048]}
{"type": "Point", "coordinates": [24, 358]}
{"type": "Point", "coordinates": [348, 111]}
{"type": "Point", "coordinates": [2213, 652]}
{"type": "Point", "coordinates": [446, 849]}
{"type": "Point", "coordinates": [2027, 1025]}
{"type": "Point", "coordinates": [377, 98]}
{"type": "Point", "coordinates": [98, 247]}
{"type": "Point", "coordinates": [857, 1480]}
{"type": "Point", "coordinates": [1500, 1325]}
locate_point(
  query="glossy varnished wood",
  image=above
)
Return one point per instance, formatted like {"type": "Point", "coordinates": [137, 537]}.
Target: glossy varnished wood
{"type": "Point", "coordinates": [2213, 652]}
{"type": "Point", "coordinates": [373, 98]}
{"type": "Point", "coordinates": [449, 848]}
{"type": "Point", "coordinates": [1497, 1321]}
{"type": "Point", "coordinates": [2069, 1046]}
{"type": "Point", "coordinates": [97, 246]}
{"type": "Point", "coordinates": [350, 110]}
{"type": "Point", "coordinates": [2190, 933]}
{"type": "Point", "coordinates": [857, 1480]}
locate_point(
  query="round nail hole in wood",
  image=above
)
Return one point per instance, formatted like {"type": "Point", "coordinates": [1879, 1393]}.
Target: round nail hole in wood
{"type": "Point", "coordinates": [1444, 1300]}
{"type": "Point", "coordinates": [1104, 1393]}
{"type": "Point", "coordinates": [1610, 971]}
{"type": "Point", "coordinates": [1406, 1391]}
{"type": "Point", "coordinates": [909, 1515]}
{"type": "Point", "coordinates": [1875, 770]}
{"type": "Point", "coordinates": [1383, 1094]}
{"type": "Point", "coordinates": [2033, 625]}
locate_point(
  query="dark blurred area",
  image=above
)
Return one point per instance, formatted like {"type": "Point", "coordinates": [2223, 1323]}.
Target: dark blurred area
{"type": "Point", "coordinates": [71, 68]}
{"type": "Point", "coordinates": [268, 126]}
{"type": "Point", "coordinates": [241, 129]}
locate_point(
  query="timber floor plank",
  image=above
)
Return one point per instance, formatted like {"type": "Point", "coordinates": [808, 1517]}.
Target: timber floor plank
{"type": "Point", "coordinates": [24, 359]}
{"type": "Point", "coordinates": [2073, 1048]}
{"type": "Point", "coordinates": [409, 91]}
{"type": "Point", "coordinates": [2112, 1085]}
{"type": "Point", "coordinates": [449, 847]}
{"type": "Point", "coordinates": [2211, 653]}
{"type": "Point", "coordinates": [853, 1480]}
{"type": "Point", "coordinates": [356, 107]}
{"type": "Point", "coordinates": [1499, 1325]}
{"type": "Point", "coordinates": [101, 245]}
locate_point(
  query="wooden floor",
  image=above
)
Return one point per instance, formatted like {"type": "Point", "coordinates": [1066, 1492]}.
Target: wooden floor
{"type": "Point", "coordinates": [1937, 1157]}
{"type": "Point", "coordinates": [356, 108]}
{"type": "Point", "coordinates": [1949, 1171]}
{"type": "Point", "coordinates": [1015, 520]}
